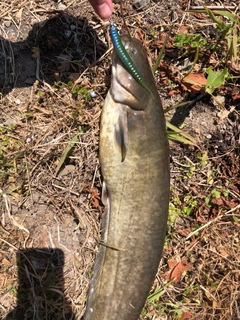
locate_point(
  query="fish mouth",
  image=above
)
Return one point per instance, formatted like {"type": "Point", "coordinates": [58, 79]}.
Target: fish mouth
{"type": "Point", "coordinates": [124, 88]}
{"type": "Point", "coordinates": [121, 88]}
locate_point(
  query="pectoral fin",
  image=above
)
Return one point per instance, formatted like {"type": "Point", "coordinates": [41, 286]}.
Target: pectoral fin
{"type": "Point", "coordinates": [121, 130]}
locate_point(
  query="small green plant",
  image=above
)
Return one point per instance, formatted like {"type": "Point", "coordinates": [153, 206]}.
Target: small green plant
{"type": "Point", "coordinates": [154, 33]}
{"type": "Point", "coordinates": [227, 30]}
{"type": "Point", "coordinates": [190, 171]}
{"type": "Point", "coordinates": [215, 79]}
{"type": "Point", "coordinates": [190, 40]}
{"type": "Point", "coordinates": [225, 193]}
{"type": "Point", "coordinates": [12, 289]}
{"type": "Point", "coordinates": [208, 202]}
{"type": "Point", "coordinates": [158, 292]}
{"type": "Point", "coordinates": [189, 204]}
{"type": "Point", "coordinates": [175, 310]}
{"type": "Point", "coordinates": [190, 289]}
{"type": "Point", "coordinates": [3, 130]}
{"type": "Point", "coordinates": [60, 85]}
{"type": "Point", "coordinates": [226, 26]}
{"type": "Point", "coordinates": [81, 91]}
{"type": "Point", "coordinates": [39, 93]}
{"type": "Point", "coordinates": [216, 194]}
{"type": "Point", "coordinates": [174, 213]}
{"type": "Point", "coordinates": [203, 157]}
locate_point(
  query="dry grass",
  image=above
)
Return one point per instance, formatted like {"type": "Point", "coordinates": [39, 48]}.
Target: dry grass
{"type": "Point", "coordinates": [50, 214]}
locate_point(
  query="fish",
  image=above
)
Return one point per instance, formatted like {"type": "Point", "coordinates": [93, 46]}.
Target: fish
{"type": "Point", "coordinates": [134, 159]}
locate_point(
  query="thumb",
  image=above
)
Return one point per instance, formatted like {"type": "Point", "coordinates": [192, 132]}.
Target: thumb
{"type": "Point", "coordinates": [102, 7]}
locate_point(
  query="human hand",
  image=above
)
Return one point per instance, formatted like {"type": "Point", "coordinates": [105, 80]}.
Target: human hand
{"type": "Point", "coordinates": [102, 7]}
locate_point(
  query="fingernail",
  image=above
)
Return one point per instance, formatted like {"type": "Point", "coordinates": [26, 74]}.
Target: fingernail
{"type": "Point", "coordinates": [103, 10]}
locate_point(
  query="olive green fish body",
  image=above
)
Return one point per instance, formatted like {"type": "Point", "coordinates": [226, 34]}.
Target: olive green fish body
{"type": "Point", "coordinates": [134, 159]}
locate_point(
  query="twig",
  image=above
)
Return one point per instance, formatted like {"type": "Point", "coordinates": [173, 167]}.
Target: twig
{"type": "Point", "coordinates": [213, 7]}
{"type": "Point", "coordinates": [11, 9]}
{"type": "Point", "coordinates": [14, 222]}
{"type": "Point", "coordinates": [94, 176]}
{"type": "Point", "coordinates": [237, 310]}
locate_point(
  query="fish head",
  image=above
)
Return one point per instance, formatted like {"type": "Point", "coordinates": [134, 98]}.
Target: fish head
{"type": "Point", "coordinates": [125, 89]}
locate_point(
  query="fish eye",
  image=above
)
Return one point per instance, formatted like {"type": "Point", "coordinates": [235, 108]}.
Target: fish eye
{"type": "Point", "coordinates": [134, 51]}
{"type": "Point", "coordinates": [127, 44]}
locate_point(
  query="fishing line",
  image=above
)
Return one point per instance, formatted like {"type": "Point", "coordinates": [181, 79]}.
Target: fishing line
{"type": "Point", "coordinates": [124, 21]}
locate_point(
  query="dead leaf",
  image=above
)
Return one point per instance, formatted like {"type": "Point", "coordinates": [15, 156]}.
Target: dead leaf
{"type": "Point", "coordinates": [234, 64]}
{"type": "Point", "coordinates": [182, 29]}
{"type": "Point", "coordinates": [173, 91]}
{"type": "Point", "coordinates": [223, 252]}
{"type": "Point", "coordinates": [170, 71]}
{"type": "Point", "coordinates": [6, 262]}
{"type": "Point", "coordinates": [186, 315]}
{"type": "Point", "coordinates": [199, 16]}
{"type": "Point", "coordinates": [177, 269]}
{"type": "Point", "coordinates": [184, 232]}
{"type": "Point", "coordinates": [217, 201]}
{"type": "Point", "coordinates": [94, 197]}
{"type": "Point", "coordinates": [224, 203]}
{"type": "Point", "coordinates": [230, 204]}
{"type": "Point", "coordinates": [95, 203]}
{"type": "Point", "coordinates": [236, 96]}
{"type": "Point", "coordinates": [194, 82]}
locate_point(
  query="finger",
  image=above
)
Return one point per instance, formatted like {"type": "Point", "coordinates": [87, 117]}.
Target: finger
{"type": "Point", "coordinates": [102, 7]}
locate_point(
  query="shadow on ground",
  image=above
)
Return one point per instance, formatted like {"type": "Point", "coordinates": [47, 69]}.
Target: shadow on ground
{"type": "Point", "coordinates": [57, 49]}
{"type": "Point", "coordinates": [40, 293]}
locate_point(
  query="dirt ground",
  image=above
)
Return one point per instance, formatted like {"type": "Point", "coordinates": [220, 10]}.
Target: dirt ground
{"type": "Point", "coordinates": [54, 77]}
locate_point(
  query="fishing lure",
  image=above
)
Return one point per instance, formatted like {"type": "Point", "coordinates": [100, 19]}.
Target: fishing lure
{"type": "Point", "coordinates": [124, 56]}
